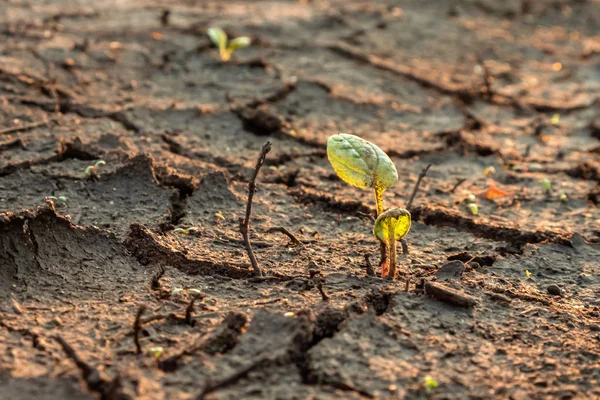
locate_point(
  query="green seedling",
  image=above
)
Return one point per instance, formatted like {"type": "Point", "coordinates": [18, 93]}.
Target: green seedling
{"type": "Point", "coordinates": [473, 208]}
{"type": "Point", "coordinates": [528, 274]}
{"type": "Point", "coordinates": [186, 231]}
{"type": "Point", "coordinates": [155, 351]}
{"type": "Point", "coordinates": [430, 384]}
{"type": "Point", "coordinates": [390, 227]}
{"type": "Point", "coordinates": [182, 290]}
{"type": "Point", "coordinates": [362, 164]}
{"type": "Point", "coordinates": [92, 170]}
{"type": "Point", "coordinates": [227, 47]}
{"type": "Point", "coordinates": [555, 119]}
{"type": "Point", "coordinates": [563, 197]}
{"type": "Point", "coordinates": [489, 171]}
{"type": "Point", "coordinates": [61, 198]}
{"type": "Point", "coordinates": [546, 185]}
{"type": "Point", "coordinates": [219, 215]}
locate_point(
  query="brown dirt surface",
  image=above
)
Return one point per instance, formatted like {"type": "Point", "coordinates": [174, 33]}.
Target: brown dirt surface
{"type": "Point", "coordinates": [103, 295]}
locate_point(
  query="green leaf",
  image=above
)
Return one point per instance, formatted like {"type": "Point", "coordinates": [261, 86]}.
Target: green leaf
{"type": "Point", "coordinates": [218, 37]}
{"type": "Point", "coordinates": [394, 222]}
{"type": "Point", "coordinates": [239, 43]}
{"type": "Point", "coordinates": [360, 163]}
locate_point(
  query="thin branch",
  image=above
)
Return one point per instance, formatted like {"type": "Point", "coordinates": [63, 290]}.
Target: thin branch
{"type": "Point", "coordinates": [155, 283]}
{"type": "Point", "coordinates": [190, 308]}
{"type": "Point", "coordinates": [245, 223]}
{"type": "Point", "coordinates": [416, 189]}
{"type": "Point", "coordinates": [370, 270]}
{"type": "Point", "coordinates": [137, 327]}
{"type": "Point", "coordinates": [460, 182]}
{"type": "Point", "coordinates": [93, 378]}
{"type": "Point", "coordinates": [25, 127]}
{"type": "Point", "coordinates": [287, 233]}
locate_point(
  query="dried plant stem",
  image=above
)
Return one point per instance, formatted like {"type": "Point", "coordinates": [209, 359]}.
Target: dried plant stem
{"type": "Point", "coordinates": [416, 189]}
{"type": "Point", "coordinates": [245, 223]}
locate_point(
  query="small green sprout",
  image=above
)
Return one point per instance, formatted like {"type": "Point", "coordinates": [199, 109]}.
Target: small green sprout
{"type": "Point", "coordinates": [186, 231]}
{"type": "Point", "coordinates": [474, 208]}
{"type": "Point", "coordinates": [155, 351]}
{"type": "Point", "coordinates": [555, 119]}
{"type": "Point", "coordinates": [92, 170]}
{"type": "Point", "coordinates": [390, 227]}
{"type": "Point", "coordinates": [489, 171]}
{"type": "Point", "coordinates": [61, 198]}
{"type": "Point", "coordinates": [546, 185]}
{"type": "Point", "coordinates": [563, 197]}
{"type": "Point", "coordinates": [189, 291]}
{"type": "Point", "coordinates": [289, 314]}
{"type": "Point", "coordinates": [219, 215]}
{"type": "Point", "coordinates": [471, 197]}
{"type": "Point", "coordinates": [362, 164]}
{"type": "Point", "coordinates": [430, 384]}
{"type": "Point", "coordinates": [528, 274]}
{"type": "Point", "coordinates": [227, 47]}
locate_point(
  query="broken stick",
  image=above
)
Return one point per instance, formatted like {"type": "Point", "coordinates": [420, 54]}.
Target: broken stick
{"type": "Point", "coordinates": [137, 327]}
{"type": "Point", "coordinates": [449, 295]}
{"type": "Point", "coordinates": [416, 189]}
{"type": "Point", "coordinates": [245, 222]}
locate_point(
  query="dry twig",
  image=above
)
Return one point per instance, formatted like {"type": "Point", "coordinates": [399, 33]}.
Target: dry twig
{"type": "Point", "coordinates": [137, 327]}
{"type": "Point", "coordinates": [245, 222]}
{"type": "Point", "coordinates": [416, 189]}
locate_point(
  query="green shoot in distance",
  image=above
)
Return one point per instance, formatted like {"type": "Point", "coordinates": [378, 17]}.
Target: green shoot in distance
{"type": "Point", "coordinates": [227, 47]}
{"type": "Point", "coordinates": [92, 170]}
{"type": "Point", "coordinates": [390, 227]}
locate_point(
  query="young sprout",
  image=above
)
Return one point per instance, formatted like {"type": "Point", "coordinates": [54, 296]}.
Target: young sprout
{"type": "Point", "coordinates": [555, 119]}
{"type": "Point", "coordinates": [219, 215]}
{"type": "Point", "coordinates": [527, 274]}
{"type": "Point", "coordinates": [186, 231]}
{"type": "Point", "coordinates": [471, 198]}
{"type": "Point", "coordinates": [547, 185]}
{"type": "Point", "coordinates": [362, 164]}
{"type": "Point", "coordinates": [61, 198]}
{"type": "Point", "coordinates": [489, 171]}
{"type": "Point", "coordinates": [92, 170]}
{"type": "Point", "coordinates": [227, 47]}
{"type": "Point", "coordinates": [390, 227]}
{"type": "Point", "coordinates": [155, 351]}
{"type": "Point", "coordinates": [430, 384]}
{"type": "Point", "coordinates": [473, 208]}
{"type": "Point", "coordinates": [563, 197]}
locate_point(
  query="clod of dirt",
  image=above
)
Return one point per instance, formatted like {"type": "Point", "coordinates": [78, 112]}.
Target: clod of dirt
{"type": "Point", "coordinates": [227, 335]}
{"type": "Point", "coordinates": [151, 248]}
{"type": "Point", "coordinates": [367, 356]}
{"type": "Point", "coordinates": [261, 121]}
{"type": "Point", "coordinates": [44, 253]}
{"type": "Point", "coordinates": [554, 290]}
{"type": "Point", "coordinates": [452, 270]}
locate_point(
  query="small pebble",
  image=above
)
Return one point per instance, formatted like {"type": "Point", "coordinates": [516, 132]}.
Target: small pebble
{"type": "Point", "coordinates": [554, 290]}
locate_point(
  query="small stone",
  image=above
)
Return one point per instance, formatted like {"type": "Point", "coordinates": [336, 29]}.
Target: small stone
{"type": "Point", "coordinates": [554, 290]}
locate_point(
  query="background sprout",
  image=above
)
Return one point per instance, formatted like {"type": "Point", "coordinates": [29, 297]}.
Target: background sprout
{"type": "Point", "coordinates": [563, 197]}
{"type": "Point", "coordinates": [92, 170]}
{"type": "Point", "coordinates": [362, 164]}
{"type": "Point", "coordinates": [226, 48]}
{"type": "Point", "coordinates": [474, 208]}
{"type": "Point", "coordinates": [430, 384]}
{"type": "Point", "coordinates": [547, 185]}
{"type": "Point", "coordinates": [390, 227]}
